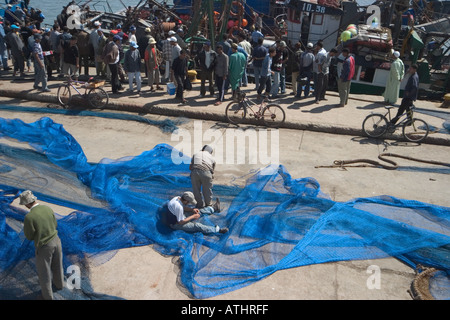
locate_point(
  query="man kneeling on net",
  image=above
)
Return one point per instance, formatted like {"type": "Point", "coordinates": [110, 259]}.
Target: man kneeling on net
{"type": "Point", "coordinates": [179, 216]}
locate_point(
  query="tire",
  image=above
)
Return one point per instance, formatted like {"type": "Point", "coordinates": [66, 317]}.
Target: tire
{"type": "Point", "coordinates": [273, 116]}
{"type": "Point", "coordinates": [235, 112]}
{"type": "Point", "coordinates": [98, 98]}
{"type": "Point", "coordinates": [416, 130]}
{"type": "Point", "coordinates": [64, 95]}
{"type": "Point", "coordinates": [375, 125]}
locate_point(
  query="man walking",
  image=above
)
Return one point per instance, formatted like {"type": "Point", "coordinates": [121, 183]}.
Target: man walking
{"type": "Point", "coordinates": [40, 226]}
{"type": "Point", "coordinates": [179, 71]}
{"type": "Point", "coordinates": [410, 94]}
{"type": "Point", "coordinates": [265, 81]}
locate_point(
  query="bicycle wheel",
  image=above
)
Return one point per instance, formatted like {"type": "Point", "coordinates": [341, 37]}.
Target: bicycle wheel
{"type": "Point", "coordinates": [273, 116]}
{"type": "Point", "coordinates": [375, 125]}
{"type": "Point", "coordinates": [64, 95]}
{"type": "Point", "coordinates": [415, 130]}
{"type": "Point", "coordinates": [98, 98]}
{"type": "Point", "coordinates": [235, 112]}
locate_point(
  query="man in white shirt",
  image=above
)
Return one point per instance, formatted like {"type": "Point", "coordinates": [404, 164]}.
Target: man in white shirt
{"type": "Point", "coordinates": [178, 215]}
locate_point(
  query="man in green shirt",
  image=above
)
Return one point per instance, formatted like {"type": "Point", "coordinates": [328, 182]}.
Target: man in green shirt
{"type": "Point", "coordinates": [40, 227]}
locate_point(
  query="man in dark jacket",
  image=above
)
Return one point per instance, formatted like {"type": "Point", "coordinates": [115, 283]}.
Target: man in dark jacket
{"type": "Point", "coordinates": [179, 71]}
{"type": "Point", "coordinates": [17, 48]}
{"type": "Point", "coordinates": [409, 95]}
{"type": "Point", "coordinates": [206, 60]}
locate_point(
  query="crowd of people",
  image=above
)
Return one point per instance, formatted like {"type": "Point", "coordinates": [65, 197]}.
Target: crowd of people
{"type": "Point", "coordinates": [163, 56]}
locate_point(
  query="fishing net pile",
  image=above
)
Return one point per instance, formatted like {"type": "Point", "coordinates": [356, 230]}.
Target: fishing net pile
{"type": "Point", "coordinates": [276, 222]}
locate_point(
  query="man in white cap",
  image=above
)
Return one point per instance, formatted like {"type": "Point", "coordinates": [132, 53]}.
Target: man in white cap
{"type": "Point", "coordinates": [178, 215]}
{"type": "Point", "coordinates": [16, 46]}
{"type": "Point", "coordinates": [40, 226]}
{"type": "Point", "coordinates": [94, 41]}
{"type": "Point", "coordinates": [175, 48]}
{"type": "Point", "coordinates": [396, 75]}
{"type": "Point", "coordinates": [132, 65]}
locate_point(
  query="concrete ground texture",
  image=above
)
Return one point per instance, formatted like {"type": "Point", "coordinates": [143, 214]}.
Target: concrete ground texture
{"type": "Point", "coordinates": [313, 135]}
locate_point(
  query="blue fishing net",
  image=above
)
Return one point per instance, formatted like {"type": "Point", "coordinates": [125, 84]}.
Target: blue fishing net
{"type": "Point", "coordinates": [276, 222]}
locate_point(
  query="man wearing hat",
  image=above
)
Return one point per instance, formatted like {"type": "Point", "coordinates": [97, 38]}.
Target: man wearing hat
{"type": "Point", "coordinates": [132, 65]}
{"type": "Point", "coordinates": [396, 75]}
{"type": "Point", "coordinates": [132, 34]}
{"type": "Point", "coordinates": [206, 60]}
{"type": "Point", "coordinates": [143, 42]}
{"type": "Point", "coordinates": [178, 215]}
{"type": "Point", "coordinates": [39, 64]}
{"type": "Point", "coordinates": [152, 61]}
{"type": "Point", "coordinates": [39, 226]}
{"type": "Point", "coordinates": [175, 48]}
{"type": "Point", "coordinates": [94, 41]}
{"type": "Point", "coordinates": [17, 49]}
{"type": "Point", "coordinates": [179, 35]}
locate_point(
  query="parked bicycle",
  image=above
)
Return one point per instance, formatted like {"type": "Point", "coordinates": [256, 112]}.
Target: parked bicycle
{"type": "Point", "coordinates": [93, 92]}
{"type": "Point", "coordinates": [271, 114]}
{"type": "Point", "coordinates": [413, 129]}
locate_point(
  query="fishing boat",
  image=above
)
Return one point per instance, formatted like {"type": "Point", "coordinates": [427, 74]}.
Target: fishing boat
{"type": "Point", "coordinates": [372, 43]}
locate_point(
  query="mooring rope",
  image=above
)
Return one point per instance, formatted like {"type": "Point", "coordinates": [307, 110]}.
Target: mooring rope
{"type": "Point", "coordinates": [373, 163]}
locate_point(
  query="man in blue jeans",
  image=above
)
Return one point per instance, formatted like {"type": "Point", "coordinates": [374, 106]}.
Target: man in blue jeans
{"type": "Point", "coordinates": [259, 53]}
{"type": "Point", "coordinates": [178, 215]}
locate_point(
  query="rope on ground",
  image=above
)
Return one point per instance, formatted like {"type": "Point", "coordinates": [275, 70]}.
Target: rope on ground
{"type": "Point", "coordinates": [420, 287]}
{"type": "Point", "coordinates": [373, 163]}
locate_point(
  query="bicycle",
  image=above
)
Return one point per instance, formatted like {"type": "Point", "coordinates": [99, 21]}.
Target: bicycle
{"type": "Point", "coordinates": [272, 115]}
{"type": "Point", "coordinates": [96, 96]}
{"type": "Point", "coordinates": [376, 125]}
